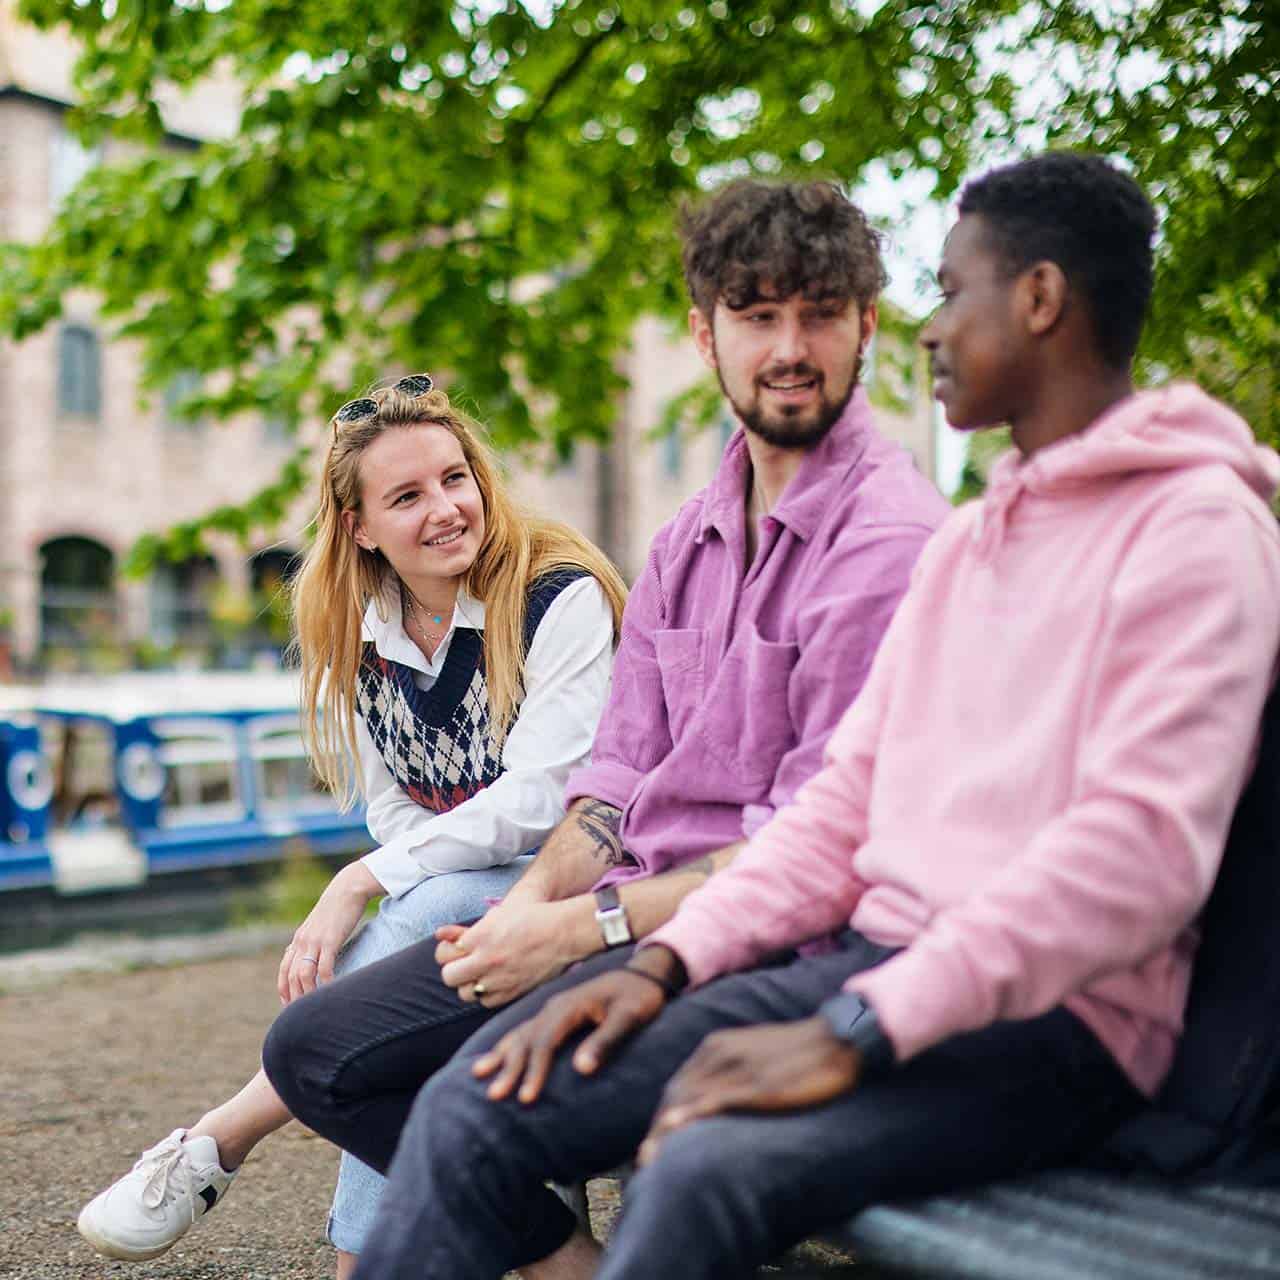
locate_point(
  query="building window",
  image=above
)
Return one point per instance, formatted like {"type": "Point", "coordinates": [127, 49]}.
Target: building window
{"type": "Point", "coordinates": [69, 161]}
{"type": "Point", "coordinates": [276, 429]}
{"type": "Point", "coordinates": [78, 607]}
{"type": "Point", "coordinates": [671, 452]}
{"type": "Point", "coordinates": [79, 372]}
{"type": "Point", "coordinates": [182, 386]}
{"type": "Point", "coordinates": [270, 573]}
{"type": "Point", "coordinates": [182, 599]}
{"type": "Point", "coordinates": [279, 414]}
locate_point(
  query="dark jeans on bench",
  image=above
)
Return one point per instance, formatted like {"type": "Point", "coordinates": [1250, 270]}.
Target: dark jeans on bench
{"type": "Point", "coordinates": [467, 1198]}
{"type": "Point", "coordinates": [349, 1058]}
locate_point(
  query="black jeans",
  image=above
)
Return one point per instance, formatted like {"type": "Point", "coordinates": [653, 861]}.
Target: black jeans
{"type": "Point", "coordinates": [349, 1058]}
{"type": "Point", "coordinates": [467, 1197]}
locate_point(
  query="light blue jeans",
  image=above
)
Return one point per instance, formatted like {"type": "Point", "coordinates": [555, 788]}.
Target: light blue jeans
{"type": "Point", "coordinates": [450, 899]}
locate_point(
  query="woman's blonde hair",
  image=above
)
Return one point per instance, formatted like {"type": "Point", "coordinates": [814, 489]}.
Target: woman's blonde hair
{"type": "Point", "coordinates": [338, 579]}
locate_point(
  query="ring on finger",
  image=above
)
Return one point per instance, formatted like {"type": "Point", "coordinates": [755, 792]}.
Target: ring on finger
{"type": "Point", "coordinates": [480, 989]}
{"type": "Point", "coordinates": [309, 959]}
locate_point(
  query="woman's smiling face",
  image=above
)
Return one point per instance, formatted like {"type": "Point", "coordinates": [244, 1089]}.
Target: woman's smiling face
{"type": "Point", "coordinates": [420, 504]}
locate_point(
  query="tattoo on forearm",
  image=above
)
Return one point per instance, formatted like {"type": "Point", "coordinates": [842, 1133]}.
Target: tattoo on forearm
{"type": "Point", "coordinates": [603, 823]}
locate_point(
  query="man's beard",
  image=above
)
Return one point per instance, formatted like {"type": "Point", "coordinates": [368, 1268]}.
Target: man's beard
{"type": "Point", "coordinates": [794, 432]}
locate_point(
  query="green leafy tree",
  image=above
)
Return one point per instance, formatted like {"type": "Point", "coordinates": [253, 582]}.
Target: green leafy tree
{"type": "Point", "coordinates": [488, 190]}
{"type": "Point", "coordinates": [482, 190]}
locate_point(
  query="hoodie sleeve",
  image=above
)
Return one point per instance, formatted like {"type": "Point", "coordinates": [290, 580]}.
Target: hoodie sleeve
{"type": "Point", "coordinates": [1169, 731]}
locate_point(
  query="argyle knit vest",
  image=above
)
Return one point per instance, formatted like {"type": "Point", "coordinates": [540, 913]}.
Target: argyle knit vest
{"type": "Point", "coordinates": [436, 742]}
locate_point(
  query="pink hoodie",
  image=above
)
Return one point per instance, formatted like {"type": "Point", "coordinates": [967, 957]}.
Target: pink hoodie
{"type": "Point", "coordinates": [1032, 791]}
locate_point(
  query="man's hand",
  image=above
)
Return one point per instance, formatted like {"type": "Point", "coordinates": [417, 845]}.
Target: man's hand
{"type": "Point", "coordinates": [514, 948]}
{"type": "Point", "coordinates": [308, 959]}
{"type": "Point", "coordinates": [777, 1067]}
{"type": "Point", "coordinates": [617, 1004]}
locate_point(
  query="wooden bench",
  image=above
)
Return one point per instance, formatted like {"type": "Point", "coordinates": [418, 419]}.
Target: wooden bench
{"type": "Point", "coordinates": [1075, 1225]}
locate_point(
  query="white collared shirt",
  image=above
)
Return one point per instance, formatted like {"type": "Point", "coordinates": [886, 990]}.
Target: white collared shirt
{"type": "Point", "coordinates": [566, 678]}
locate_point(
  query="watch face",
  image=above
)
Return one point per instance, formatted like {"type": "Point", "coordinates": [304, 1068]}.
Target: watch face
{"type": "Point", "coordinates": [614, 927]}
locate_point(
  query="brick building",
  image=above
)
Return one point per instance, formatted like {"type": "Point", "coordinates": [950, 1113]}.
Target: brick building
{"type": "Point", "coordinates": [85, 468]}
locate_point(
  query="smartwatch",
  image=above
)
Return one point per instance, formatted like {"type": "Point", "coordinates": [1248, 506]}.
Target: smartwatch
{"type": "Point", "coordinates": [854, 1021]}
{"type": "Point", "coordinates": [611, 916]}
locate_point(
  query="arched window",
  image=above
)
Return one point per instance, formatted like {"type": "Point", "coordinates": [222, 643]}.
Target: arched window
{"type": "Point", "coordinates": [182, 599]}
{"type": "Point", "coordinates": [274, 568]}
{"type": "Point", "coordinates": [270, 573]}
{"type": "Point", "coordinates": [78, 605]}
{"type": "Point", "coordinates": [79, 372]}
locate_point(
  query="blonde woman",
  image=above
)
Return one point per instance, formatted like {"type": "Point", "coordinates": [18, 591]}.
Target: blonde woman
{"type": "Point", "coordinates": [461, 651]}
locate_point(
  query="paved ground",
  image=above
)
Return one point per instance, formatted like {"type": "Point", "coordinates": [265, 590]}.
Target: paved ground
{"type": "Point", "coordinates": [97, 1065]}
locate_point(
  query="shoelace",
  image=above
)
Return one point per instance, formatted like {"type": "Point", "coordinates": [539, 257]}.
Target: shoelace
{"type": "Point", "coordinates": [160, 1164]}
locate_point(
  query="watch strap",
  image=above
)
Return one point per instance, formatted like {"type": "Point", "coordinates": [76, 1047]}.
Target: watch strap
{"type": "Point", "coordinates": [855, 1022]}
{"type": "Point", "coordinates": [611, 916]}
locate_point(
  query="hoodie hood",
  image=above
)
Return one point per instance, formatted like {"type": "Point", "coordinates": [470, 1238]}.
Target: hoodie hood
{"type": "Point", "coordinates": [1176, 427]}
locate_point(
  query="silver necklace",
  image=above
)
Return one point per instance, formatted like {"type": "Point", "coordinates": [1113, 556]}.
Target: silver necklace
{"type": "Point", "coordinates": [409, 606]}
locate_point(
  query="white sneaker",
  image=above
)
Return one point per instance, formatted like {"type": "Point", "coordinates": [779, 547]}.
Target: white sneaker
{"type": "Point", "coordinates": [153, 1205]}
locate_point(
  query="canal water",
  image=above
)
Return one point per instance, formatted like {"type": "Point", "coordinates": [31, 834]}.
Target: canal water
{"type": "Point", "coordinates": [164, 907]}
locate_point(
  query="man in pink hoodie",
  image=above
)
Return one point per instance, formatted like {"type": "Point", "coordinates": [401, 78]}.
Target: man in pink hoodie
{"type": "Point", "coordinates": [1017, 823]}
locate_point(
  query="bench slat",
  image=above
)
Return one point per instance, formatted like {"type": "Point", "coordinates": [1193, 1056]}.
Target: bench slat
{"type": "Point", "coordinates": [1063, 1226]}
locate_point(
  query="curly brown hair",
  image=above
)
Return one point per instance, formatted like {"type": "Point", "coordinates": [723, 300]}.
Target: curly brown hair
{"type": "Point", "coordinates": [754, 240]}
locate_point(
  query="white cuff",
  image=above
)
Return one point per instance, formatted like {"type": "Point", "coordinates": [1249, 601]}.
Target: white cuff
{"type": "Point", "coordinates": [394, 868]}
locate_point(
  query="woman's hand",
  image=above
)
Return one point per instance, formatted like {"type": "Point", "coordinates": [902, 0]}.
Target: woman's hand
{"type": "Point", "coordinates": [308, 959]}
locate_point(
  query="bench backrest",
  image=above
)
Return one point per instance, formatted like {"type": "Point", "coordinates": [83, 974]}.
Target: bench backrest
{"type": "Point", "coordinates": [1212, 1114]}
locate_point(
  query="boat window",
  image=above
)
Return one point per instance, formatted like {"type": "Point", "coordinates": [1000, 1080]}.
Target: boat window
{"type": "Point", "coordinates": [81, 755]}
{"type": "Point", "coordinates": [201, 782]}
{"type": "Point", "coordinates": [284, 778]}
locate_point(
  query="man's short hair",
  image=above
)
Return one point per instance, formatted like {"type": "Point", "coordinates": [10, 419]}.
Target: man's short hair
{"type": "Point", "coordinates": [754, 241]}
{"type": "Point", "coordinates": [1087, 216]}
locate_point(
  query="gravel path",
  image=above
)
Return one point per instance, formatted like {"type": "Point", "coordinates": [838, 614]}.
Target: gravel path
{"type": "Point", "coordinates": [100, 1065]}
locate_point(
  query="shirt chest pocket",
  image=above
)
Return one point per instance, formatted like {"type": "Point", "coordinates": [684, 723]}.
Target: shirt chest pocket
{"type": "Point", "coordinates": [681, 664]}
{"type": "Point", "coordinates": [751, 725]}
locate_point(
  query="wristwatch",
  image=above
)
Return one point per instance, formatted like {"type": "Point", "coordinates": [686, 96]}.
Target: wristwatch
{"type": "Point", "coordinates": [611, 916]}
{"type": "Point", "coordinates": [854, 1021]}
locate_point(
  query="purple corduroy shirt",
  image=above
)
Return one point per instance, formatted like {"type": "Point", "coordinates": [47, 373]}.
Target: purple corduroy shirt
{"type": "Point", "coordinates": [729, 679]}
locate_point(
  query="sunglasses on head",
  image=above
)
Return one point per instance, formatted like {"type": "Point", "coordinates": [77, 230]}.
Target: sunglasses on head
{"type": "Point", "coordinates": [416, 384]}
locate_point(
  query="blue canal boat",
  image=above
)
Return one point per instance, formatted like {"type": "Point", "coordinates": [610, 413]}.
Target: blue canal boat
{"type": "Point", "coordinates": [110, 783]}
